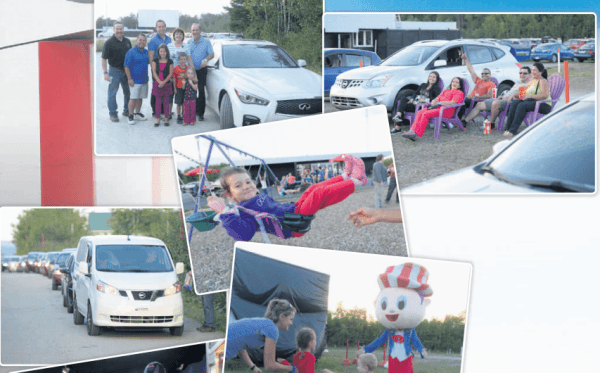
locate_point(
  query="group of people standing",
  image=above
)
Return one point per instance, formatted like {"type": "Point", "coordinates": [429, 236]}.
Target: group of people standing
{"type": "Point", "coordinates": [178, 72]}
{"type": "Point", "coordinates": [428, 94]}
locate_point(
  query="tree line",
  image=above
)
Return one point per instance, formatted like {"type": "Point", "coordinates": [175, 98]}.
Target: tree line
{"type": "Point", "coordinates": [354, 325]}
{"type": "Point", "coordinates": [208, 22]}
{"type": "Point", "coordinates": [516, 26]}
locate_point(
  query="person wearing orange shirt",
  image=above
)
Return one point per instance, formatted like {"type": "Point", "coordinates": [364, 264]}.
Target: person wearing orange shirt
{"type": "Point", "coordinates": [483, 87]}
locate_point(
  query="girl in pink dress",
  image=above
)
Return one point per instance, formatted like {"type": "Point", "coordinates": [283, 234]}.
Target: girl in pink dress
{"type": "Point", "coordinates": [162, 71]}
{"type": "Point", "coordinates": [451, 96]}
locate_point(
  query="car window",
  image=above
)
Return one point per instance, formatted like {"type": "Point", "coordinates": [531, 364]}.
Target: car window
{"type": "Point", "coordinates": [256, 56]}
{"type": "Point", "coordinates": [479, 54]}
{"type": "Point", "coordinates": [132, 258]}
{"type": "Point", "coordinates": [353, 60]}
{"type": "Point", "coordinates": [410, 56]}
{"type": "Point", "coordinates": [333, 60]}
{"type": "Point", "coordinates": [561, 148]}
{"type": "Point", "coordinates": [499, 53]}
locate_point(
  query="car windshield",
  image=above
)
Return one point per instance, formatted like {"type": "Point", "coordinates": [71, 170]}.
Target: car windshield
{"type": "Point", "coordinates": [410, 56]}
{"type": "Point", "coordinates": [62, 259]}
{"type": "Point", "coordinates": [14, 259]}
{"type": "Point", "coordinates": [132, 258]}
{"type": "Point", "coordinates": [251, 56]}
{"type": "Point", "coordinates": [557, 154]}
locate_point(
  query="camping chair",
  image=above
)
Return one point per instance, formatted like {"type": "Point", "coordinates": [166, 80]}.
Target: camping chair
{"type": "Point", "coordinates": [476, 100]}
{"type": "Point", "coordinates": [454, 120]}
{"type": "Point", "coordinates": [411, 116]}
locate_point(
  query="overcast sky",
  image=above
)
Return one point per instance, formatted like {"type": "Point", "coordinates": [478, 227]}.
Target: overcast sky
{"type": "Point", "coordinates": [354, 276]}
{"type": "Point", "coordinates": [120, 8]}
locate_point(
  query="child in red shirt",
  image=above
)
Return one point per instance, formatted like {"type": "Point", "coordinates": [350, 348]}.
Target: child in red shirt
{"type": "Point", "coordinates": [306, 341]}
{"type": "Point", "coordinates": [178, 78]}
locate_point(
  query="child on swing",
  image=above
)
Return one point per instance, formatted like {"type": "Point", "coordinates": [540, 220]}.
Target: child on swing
{"type": "Point", "coordinates": [240, 188]}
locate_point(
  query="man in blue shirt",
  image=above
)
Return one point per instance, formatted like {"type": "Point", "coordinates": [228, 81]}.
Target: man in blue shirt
{"type": "Point", "coordinates": [201, 51]}
{"type": "Point", "coordinates": [136, 69]}
{"type": "Point", "coordinates": [153, 44]}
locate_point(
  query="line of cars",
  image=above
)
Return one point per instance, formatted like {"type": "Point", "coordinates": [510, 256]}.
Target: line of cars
{"type": "Point", "coordinates": [117, 282]}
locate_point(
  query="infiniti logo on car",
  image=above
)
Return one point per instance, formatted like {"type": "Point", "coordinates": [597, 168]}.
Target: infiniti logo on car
{"type": "Point", "coordinates": [304, 107]}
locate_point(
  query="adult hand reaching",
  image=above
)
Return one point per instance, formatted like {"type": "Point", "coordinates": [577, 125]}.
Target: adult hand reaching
{"type": "Point", "coordinates": [367, 216]}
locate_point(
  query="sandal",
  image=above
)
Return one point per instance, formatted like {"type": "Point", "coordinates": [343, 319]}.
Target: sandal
{"type": "Point", "coordinates": [507, 134]}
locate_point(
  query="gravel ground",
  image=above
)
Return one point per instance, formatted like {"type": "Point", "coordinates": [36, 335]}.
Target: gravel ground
{"type": "Point", "coordinates": [427, 158]}
{"type": "Point", "coordinates": [212, 252]}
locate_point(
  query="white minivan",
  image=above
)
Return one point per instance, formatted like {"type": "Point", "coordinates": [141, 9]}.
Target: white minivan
{"type": "Point", "coordinates": [126, 281]}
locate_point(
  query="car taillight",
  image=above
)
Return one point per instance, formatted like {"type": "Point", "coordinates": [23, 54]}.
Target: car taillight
{"type": "Point", "coordinates": [590, 52]}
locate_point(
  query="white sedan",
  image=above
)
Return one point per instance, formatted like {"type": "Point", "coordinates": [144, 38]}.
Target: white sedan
{"type": "Point", "coordinates": [251, 82]}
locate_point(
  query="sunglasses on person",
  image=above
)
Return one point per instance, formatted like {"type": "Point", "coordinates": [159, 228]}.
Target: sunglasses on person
{"type": "Point", "coordinates": [523, 73]}
{"type": "Point", "coordinates": [485, 73]}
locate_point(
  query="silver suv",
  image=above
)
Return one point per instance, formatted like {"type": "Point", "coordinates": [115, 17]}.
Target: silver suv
{"type": "Point", "coordinates": [409, 67]}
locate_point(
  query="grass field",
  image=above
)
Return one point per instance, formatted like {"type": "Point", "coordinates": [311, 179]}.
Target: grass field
{"type": "Point", "coordinates": [435, 363]}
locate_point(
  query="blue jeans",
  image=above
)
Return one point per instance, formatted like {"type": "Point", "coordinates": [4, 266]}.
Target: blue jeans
{"type": "Point", "coordinates": [378, 193]}
{"type": "Point", "coordinates": [209, 310]}
{"type": "Point", "coordinates": [117, 77]}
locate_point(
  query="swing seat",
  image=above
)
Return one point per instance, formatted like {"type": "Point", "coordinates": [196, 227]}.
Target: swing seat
{"type": "Point", "coordinates": [296, 222]}
{"type": "Point", "coordinates": [203, 221]}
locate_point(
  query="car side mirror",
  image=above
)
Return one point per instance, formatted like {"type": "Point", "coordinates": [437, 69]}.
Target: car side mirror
{"type": "Point", "coordinates": [83, 268]}
{"type": "Point", "coordinates": [440, 63]}
{"type": "Point", "coordinates": [179, 269]}
{"type": "Point", "coordinates": [213, 64]}
{"type": "Point", "coordinates": [301, 63]}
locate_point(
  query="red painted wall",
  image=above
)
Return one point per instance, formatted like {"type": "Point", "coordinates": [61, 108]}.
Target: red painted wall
{"type": "Point", "coordinates": [66, 133]}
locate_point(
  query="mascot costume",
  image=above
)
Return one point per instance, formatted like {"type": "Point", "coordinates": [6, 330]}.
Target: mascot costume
{"type": "Point", "coordinates": [400, 307]}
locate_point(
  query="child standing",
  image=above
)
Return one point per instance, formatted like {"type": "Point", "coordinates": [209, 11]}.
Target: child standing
{"type": "Point", "coordinates": [306, 341]}
{"type": "Point", "coordinates": [189, 97]}
{"type": "Point", "coordinates": [162, 70]}
{"type": "Point", "coordinates": [179, 73]}
{"type": "Point", "coordinates": [366, 364]}
{"type": "Point", "coordinates": [240, 221]}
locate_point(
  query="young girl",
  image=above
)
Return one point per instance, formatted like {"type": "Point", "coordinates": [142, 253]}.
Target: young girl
{"type": "Point", "coordinates": [306, 341]}
{"type": "Point", "coordinates": [189, 97]}
{"type": "Point", "coordinates": [162, 71]}
{"type": "Point", "coordinates": [240, 221]}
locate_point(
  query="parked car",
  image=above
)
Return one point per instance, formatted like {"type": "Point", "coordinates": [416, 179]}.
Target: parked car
{"type": "Point", "coordinates": [586, 52]}
{"type": "Point", "coordinates": [337, 61]}
{"type": "Point", "coordinates": [227, 35]}
{"type": "Point", "coordinates": [12, 263]}
{"type": "Point", "coordinates": [549, 51]}
{"type": "Point", "coordinates": [49, 264]}
{"type": "Point", "coordinates": [574, 43]}
{"type": "Point", "coordinates": [66, 282]}
{"type": "Point", "coordinates": [5, 263]}
{"type": "Point", "coordinates": [555, 154]}
{"type": "Point", "coordinates": [251, 82]}
{"type": "Point", "coordinates": [126, 281]}
{"type": "Point", "coordinates": [409, 67]}
{"type": "Point", "coordinates": [39, 262]}
{"type": "Point", "coordinates": [190, 187]}
{"type": "Point", "coordinates": [31, 261]}
{"type": "Point", "coordinates": [56, 273]}
{"type": "Point", "coordinates": [22, 264]}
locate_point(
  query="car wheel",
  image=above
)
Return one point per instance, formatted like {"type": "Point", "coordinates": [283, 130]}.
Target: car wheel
{"type": "Point", "coordinates": [69, 304]}
{"type": "Point", "coordinates": [77, 317]}
{"type": "Point", "coordinates": [226, 113]}
{"type": "Point", "coordinates": [92, 329]}
{"type": "Point", "coordinates": [402, 92]}
{"type": "Point", "coordinates": [54, 285]}
{"type": "Point", "coordinates": [577, 59]}
{"type": "Point", "coordinates": [64, 299]}
{"type": "Point", "coordinates": [503, 88]}
{"type": "Point", "coordinates": [176, 331]}
{"type": "Point", "coordinates": [554, 58]}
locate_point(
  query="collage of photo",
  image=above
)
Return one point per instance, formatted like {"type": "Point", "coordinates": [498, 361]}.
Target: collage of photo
{"type": "Point", "coordinates": [299, 187]}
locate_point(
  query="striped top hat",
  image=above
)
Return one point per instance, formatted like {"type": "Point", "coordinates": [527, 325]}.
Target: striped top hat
{"type": "Point", "coordinates": [407, 275]}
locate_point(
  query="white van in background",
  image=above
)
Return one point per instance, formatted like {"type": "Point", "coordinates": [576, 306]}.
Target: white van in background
{"type": "Point", "coordinates": [126, 281]}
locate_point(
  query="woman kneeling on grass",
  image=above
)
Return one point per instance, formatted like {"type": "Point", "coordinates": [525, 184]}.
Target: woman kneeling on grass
{"type": "Point", "coordinates": [257, 332]}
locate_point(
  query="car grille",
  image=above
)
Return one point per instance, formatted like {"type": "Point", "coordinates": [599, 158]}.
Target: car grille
{"type": "Point", "coordinates": [143, 295]}
{"type": "Point", "coordinates": [348, 83]}
{"type": "Point", "coordinates": [299, 107]}
{"type": "Point", "coordinates": [347, 102]}
{"type": "Point", "coordinates": [141, 319]}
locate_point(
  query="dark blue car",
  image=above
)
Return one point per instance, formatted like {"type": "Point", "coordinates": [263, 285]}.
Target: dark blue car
{"type": "Point", "coordinates": [549, 51]}
{"type": "Point", "coordinates": [338, 61]}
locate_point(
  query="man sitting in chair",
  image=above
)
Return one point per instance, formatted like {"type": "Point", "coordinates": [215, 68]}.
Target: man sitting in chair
{"type": "Point", "coordinates": [483, 87]}
{"type": "Point", "coordinates": [498, 104]}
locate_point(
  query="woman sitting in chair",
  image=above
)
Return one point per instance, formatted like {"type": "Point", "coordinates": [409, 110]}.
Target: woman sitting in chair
{"type": "Point", "coordinates": [451, 96]}
{"type": "Point", "coordinates": [427, 92]}
{"type": "Point", "coordinates": [537, 89]}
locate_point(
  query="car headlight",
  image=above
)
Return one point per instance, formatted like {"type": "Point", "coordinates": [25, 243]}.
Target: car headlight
{"type": "Point", "coordinates": [105, 288]}
{"type": "Point", "coordinates": [247, 98]}
{"type": "Point", "coordinates": [378, 81]}
{"type": "Point", "coordinates": [173, 289]}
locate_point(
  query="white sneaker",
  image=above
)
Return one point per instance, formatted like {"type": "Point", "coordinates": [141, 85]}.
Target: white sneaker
{"type": "Point", "coordinates": [130, 120]}
{"type": "Point", "coordinates": [139, 116]}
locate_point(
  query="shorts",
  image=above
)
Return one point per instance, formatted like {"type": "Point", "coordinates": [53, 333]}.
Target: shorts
{"type": "Point", "coordinates": [488, 104]}
{"type": "Point", "coordinates": [138, 91]}
{"type": "Point", "coordinates": [179, 96]}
